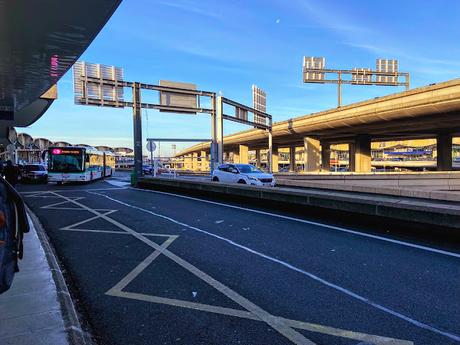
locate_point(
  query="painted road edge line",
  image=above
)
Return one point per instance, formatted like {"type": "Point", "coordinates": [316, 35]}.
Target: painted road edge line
{"type": "Point", "coordinates": [333, 227]}
{"type": "Point", "coordinates": [299, 270]}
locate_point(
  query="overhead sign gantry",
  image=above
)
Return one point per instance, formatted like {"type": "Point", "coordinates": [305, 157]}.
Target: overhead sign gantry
{"type": "Point", "coordinates": [102, 85]}
{"type": "Point", "coordinates": [386, 74]}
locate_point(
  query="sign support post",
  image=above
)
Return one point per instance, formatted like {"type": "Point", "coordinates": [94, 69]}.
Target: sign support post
{"type": "Point", "coordinates": [339, 89]}
{"type": "Point", "coordinates": [270, 151]}
{"type": "Point", "coordinates": [220, 130]}
{"type": "Point", "coordinates": [137, 129]}
{"type": "Point", "coordinates": [213, 149]}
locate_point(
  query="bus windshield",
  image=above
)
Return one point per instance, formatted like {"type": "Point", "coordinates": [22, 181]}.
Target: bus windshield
{"type": "Point", "coordinates": [62, 160]}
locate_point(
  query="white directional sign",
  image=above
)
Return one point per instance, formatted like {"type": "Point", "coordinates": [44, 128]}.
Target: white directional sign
{"type": "Point", "coordinates": [313, 63]}
{"type": "Point", "coordinates": [361, 76]}
{"type": "Point", "coordinates": [151, 146]}
{"type": "Point", "coordinates": [390, 66]}
{"type": "Point", "coordinates": [241, 113]}
{"type": "Point", "coordinates": [89, 86]}
{"type": "Point", "coordinates": [259, 102]}
{"type": "Point", "coordinates": [178, 99]}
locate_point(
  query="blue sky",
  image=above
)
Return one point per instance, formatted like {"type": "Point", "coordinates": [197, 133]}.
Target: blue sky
{"type": "Point", "coordinates": [229, 45]}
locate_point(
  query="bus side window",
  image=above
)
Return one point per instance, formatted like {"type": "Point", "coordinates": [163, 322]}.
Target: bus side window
{"type": "Point", "coordinates": [87, 158]}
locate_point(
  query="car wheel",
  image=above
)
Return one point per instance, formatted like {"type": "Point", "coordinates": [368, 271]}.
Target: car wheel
{"type": "Point", "coordinates": [215, 179]}
{"type": "Point", "coordinates": [241, 181]}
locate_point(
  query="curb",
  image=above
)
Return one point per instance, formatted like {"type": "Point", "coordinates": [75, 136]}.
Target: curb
{"type": "Point", "coordinates": [429, 212]}
{"type": "Point", "coordinates": [75, 333]}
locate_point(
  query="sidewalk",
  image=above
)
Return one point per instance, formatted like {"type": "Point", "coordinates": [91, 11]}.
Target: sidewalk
{"type": "Point", "coordinates": [30, 312]}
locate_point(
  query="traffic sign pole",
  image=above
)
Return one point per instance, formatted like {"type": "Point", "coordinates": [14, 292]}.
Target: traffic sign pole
{"type": "Point", "coordinates": [137, 129]}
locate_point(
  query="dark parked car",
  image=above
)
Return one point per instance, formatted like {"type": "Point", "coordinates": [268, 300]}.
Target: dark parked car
{"type": "Point", "coordinates": [35, 173]}
{"type": "Point", "coordinates": [147, 169]}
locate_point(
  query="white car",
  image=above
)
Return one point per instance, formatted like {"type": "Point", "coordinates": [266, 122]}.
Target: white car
{"type": "Point", "coordinates": [242, 173]}
{"type": "Point", "coordinates": [35, 173]}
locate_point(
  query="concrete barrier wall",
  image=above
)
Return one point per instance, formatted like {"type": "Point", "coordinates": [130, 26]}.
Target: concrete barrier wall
{"type": "Point", "coordinates": [407, 209]}
{"type": "Point", "coordinates": [436, 186]}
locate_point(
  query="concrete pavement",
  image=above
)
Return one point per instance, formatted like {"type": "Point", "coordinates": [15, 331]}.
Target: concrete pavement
{"type": "Point", "coordinates": [31, 311]}
{"type": "Point", "coordinates": [151, 267]}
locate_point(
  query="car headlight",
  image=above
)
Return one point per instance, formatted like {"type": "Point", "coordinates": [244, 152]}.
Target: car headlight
{"type": "Point", "coordinates": [253, 178]}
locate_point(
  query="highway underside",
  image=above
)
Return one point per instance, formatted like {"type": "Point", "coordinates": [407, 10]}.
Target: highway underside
{"type": "Point", "coordinates": [155, 268]}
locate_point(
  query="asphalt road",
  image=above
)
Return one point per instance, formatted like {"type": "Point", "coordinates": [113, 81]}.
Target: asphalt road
{"type": "Point", "coordinates": [155, 268]}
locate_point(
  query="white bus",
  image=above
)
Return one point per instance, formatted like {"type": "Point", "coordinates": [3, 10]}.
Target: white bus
{"type": "Point", "coordinates": [79, 164]}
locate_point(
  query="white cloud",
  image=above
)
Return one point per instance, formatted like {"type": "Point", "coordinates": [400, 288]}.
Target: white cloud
{"type": "Point", "coordinates": [190, 6]}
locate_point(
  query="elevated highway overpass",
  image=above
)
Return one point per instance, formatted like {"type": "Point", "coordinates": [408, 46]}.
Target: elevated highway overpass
{"type": "Point", "coordinates": [427, 112]}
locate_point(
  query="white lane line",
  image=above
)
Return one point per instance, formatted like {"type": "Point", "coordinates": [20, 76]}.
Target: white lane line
{"type": "Point", "coordinates": [381, 238]}
{"type": "Point", "coordinates": [299, 270]}
{"type": "Point", "coordinates": [277, 324]}
{"type": "Point", "coordinates": [69, 190]}
{"type": "Point", "coordinates": [117, 289]}
{"type": "Point", "coordinates": [118, 183]}
{"type": "Point", "coordinates": [115, 232]}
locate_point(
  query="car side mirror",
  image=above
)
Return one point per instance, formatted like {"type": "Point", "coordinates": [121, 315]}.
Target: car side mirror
{"type": "Point", "coordinates": [234, 171]}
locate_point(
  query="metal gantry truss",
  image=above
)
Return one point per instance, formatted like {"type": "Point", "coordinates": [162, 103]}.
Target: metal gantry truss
{"type": "Point", "coordinates": [101, 85]}
{"type": "Point", "coordinates": [313, 71]}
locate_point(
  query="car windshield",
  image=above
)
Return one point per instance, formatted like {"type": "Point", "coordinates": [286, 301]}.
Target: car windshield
{"type": "Point", "coordinates": [247, 169]}
{"type": "Point", "coordinates": [29, 168]}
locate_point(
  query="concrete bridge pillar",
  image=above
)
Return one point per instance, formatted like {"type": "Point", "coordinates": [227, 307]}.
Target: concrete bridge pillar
{"type": "Point", "coordinates": [236, 157]}
{"type": "Point", "coordinates": [311, 154]}
{"type": "Point", "coordinates": [292, 160]}
{"type": "Point", "coordinates": [275, 165]}
{"type": "Point", "coordinates": [195, 161]}
{"type": "Point", "coordinates": [325, 156]}
{"type": "Point", "coordinates": [444, 152]}
{"type": "Point", "coordinates": [188, 162]}
{"type": "Point", "coordinates": [258, 158]}
{"type": "Point", "coordinates": [204, 162]}
{"type": "Point", "coordinates": [360, 154]}
{"type": "Point", "coordinates": [243, 154]}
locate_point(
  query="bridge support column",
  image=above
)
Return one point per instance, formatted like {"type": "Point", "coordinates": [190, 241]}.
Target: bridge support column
{"type": "Point", "coordinates": [236, 157]}
{"type": "Point", "coordinates": [188, 162]}
{"type": "Point", "coordinates": [360, 155]}
{"type": "Point", "coordinates": [195, 161]}
{"type": "Point", "coordinates": [292, 161]}
{"type": "Point", "coordinates": [204, 162]}
{"type": "Point", "coordinates": [275, 166]}
{"type": "Point", "coordinates": [243, 154]}
{"type": "Point", "coordinates": [444, 152]}
{"type": "Point", "coordinates": [325, 156]}
{"type": "Point", "coordinates": [312, 151]}
{"type": "Point", "coordinates": [258, 159]}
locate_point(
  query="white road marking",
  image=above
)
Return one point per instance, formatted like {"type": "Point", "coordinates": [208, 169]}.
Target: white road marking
{"type": "Point", "coordinates": [296, 269]}
{"type": "Point", "coordinates": [117, 183]}
{"type": "Point", "coordinates": [381, 238]}
{"type": "Point", "coordinates": [117, 291]}
{"type": "Point", "coordinates": [69, 190]}
{"type": "Point", "coordinates": [272, 321]}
